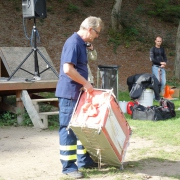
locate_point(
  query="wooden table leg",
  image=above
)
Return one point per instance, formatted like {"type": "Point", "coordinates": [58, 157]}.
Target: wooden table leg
{"type": "Point", "coordinates": [20, 107]}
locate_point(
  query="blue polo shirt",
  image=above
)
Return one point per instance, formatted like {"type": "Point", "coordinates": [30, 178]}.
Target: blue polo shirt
{"type": "Point", "coordinates": [74, 52]}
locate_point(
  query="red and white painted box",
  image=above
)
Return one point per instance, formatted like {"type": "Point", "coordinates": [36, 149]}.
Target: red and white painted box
{"type": "Point", "coordinates": [100, 125]}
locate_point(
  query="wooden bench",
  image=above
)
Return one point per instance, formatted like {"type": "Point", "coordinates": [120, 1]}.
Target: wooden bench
{"type": "Point", "coordinates": [44, 116]}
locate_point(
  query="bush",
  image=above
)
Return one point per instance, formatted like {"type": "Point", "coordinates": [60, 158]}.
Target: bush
{"type": "Point", "coordinates": [167, 10]}
{"type": "Point", "coordinates": [73, 8]}
{"type": "Point", "coordinates": [8, 119]}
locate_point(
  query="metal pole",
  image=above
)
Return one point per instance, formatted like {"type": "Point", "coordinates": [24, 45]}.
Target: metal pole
{"type": "Point", "coordinates": [36, 65]}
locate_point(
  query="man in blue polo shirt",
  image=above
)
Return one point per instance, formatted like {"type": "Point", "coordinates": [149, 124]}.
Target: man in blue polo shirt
{"type": "Point", "coordinates": [74, 76]}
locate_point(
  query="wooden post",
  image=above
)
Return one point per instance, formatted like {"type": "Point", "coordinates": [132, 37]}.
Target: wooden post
{"type": "Point", "coordinates": [0, 67]}
{"type": "Point", "coordinates": [20, 107]}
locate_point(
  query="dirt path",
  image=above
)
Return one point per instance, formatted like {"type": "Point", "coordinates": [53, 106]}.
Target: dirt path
{"type": "Point", "coordinates": [33, 154]}
{"type": "Point", "coordinates": [28, 153]}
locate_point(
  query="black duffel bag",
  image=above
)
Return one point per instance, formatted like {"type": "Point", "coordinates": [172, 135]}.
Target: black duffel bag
{"type": "Point", "coordinates": [162, 113]}
{"type": "Point", "coordinates": [141, 112]}
{"type": "Point", "coordinates": [168, 106]}
{"type": "Point", "coordinates": [155, 113]}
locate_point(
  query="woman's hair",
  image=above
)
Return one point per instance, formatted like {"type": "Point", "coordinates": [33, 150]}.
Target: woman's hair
{"type": "Point", "coordinates": [92, 22]}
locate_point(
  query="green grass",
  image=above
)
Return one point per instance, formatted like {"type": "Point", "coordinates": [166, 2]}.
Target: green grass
{"type": "Point", "coordinates": [160, 131]}
{"type": "Point", "coordinates": [164, 129]}
{"type": "Point", "coordinates": [163, 146]}
{"type": "Point", "coordinates": [124, 96]}
{"type": "Point", "coordinates": [162, 149]}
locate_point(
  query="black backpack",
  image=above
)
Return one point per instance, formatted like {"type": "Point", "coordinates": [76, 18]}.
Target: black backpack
{"type": "Point", "coordinates": [167, 104]}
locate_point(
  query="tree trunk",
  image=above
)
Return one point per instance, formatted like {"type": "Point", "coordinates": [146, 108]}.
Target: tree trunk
{"type": "Point", "coordinates": [115, 14]}
{"type": "Point", "coordinates": [177, 57]}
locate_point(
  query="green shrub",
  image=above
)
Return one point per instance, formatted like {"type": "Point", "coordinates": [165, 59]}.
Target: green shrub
{"type": "Point", "coordinates": [50, 9]}
{"type": "Point", "coordinates": [27, 120]}
{"type": "Point", "coordinates": [88, 3]}
{"type": "Point", "coordinates": [130, 33]}
{"type": "Point", "coordinates": [167, 10]}
{"type": "Point", "coordinates": [60, 1]}
{"type": "Point", "coordinates": [127, 35]}
{"type": "Point", "coordinates": [114, 39]}
{"type": "Point", "coordinates": [173, 81]}
{"type": "Point", "coordinates": [73, 8]}
{"type": "Point", "coordinates": [8, 119]}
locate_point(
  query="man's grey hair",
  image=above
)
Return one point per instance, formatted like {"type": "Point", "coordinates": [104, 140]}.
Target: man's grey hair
{"type": "Point", "coordinates": [92, 22]}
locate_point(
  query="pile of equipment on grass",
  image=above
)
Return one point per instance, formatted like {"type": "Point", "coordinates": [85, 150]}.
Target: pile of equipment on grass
{"type": "Point", "coordinates": [165, 110]}
{"type": "Point", "coordinates": [139, 82]}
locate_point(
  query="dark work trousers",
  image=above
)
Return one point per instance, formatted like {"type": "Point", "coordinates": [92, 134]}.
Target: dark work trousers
{"type": "Point", "coordinates": [71, 148]}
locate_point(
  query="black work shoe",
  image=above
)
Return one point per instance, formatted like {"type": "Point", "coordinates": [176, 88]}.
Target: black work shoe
{"type": "Point", "coordinates": [94, 165]}
{"type": "Point", "coordinates": [75, 174]}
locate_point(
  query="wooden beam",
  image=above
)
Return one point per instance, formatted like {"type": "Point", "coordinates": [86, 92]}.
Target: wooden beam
{"type": "Point", "coordinates": [17, 85]}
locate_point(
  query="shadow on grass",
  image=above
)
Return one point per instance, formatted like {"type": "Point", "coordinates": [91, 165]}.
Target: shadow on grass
{"type": "Point", "coordinates": [148, 166]}
{"type": "Point", "coordinates": [155, 167]}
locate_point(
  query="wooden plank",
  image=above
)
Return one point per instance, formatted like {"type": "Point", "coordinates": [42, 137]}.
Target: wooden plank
{"type": "Point", "coordinates": [0, 67]}
{"type": "Point", "coordinates": [45, 100]}
{"type": "Point", "coordinates": [52, 103]}
{"type": "Point", "coordinates": [13, 92]}
{"type": "Point", "coordinates": [20, 107]}
{"type": "Point", "coordinates": [17, 85]}
{"type": "Point", "coordinates": [49, 113]}
{"type": "Point", "coordinates": [44, 117]}
{"type": "Point", "coordinates": [33, 114]}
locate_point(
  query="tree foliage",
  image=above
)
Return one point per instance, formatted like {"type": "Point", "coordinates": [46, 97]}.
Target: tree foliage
{"type": "Point", "coordinates": [167, 10]}
{"type": "Point", "coordinates": [177, 58]}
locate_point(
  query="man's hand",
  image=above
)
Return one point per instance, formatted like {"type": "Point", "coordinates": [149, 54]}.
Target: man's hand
{"type": "Point", "coordinates": [75, 76]}
{"type": "Point", "coordinates": [88, 87]}
{"type": "Point", "coordinates": [91, 47]}
{"type": "Point", "coordinates": [163, 64]}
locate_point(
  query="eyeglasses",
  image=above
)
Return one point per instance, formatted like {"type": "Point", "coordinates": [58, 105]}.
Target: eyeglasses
{"type": "Point", "coordinates": [96, 31]}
